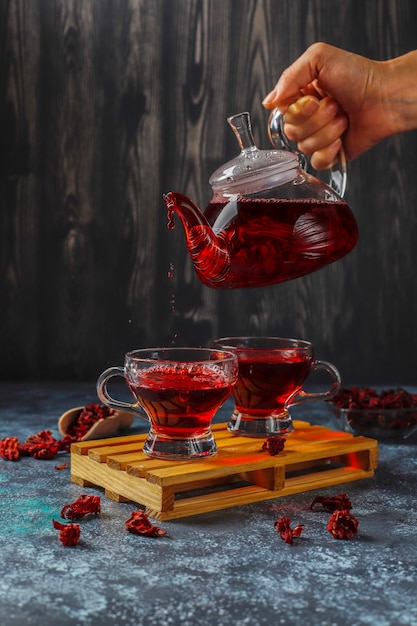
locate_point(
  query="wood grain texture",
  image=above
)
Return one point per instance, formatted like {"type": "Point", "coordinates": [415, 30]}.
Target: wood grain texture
{"type": "Point", "coordinates": [241, 472]}
{"type": "Point", "coordinates": [105, 106]}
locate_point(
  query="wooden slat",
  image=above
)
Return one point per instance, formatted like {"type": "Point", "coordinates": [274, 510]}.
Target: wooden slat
{"type": "Point", "coordinates": [222, 466]}
{"type": "Point", "coordinates": [101, 454]}
{"type": "Point", "coordinates": [252, 493]}
{"type": "Point", "coordinates": [83, 447]}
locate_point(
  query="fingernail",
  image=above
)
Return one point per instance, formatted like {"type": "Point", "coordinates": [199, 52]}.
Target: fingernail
{"type": "Point", "coordinates": [309, 106]}
{"type": "Point", "coordinates": [331, 107]}
{"type": "Point", "coordinates": [269, 98]}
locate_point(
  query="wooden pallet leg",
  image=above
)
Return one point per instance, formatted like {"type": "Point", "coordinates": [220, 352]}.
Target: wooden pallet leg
{"type": "Point", "coordinates": [272, 478]}
{"type": "Point", "coordinates": [82, 482]}
{"type": "Point", "coordinates": [112, 495]}
{"type": "Point", "coordinates": [166, 507]}
{"type": "Point", "coordinates": [167, 499]}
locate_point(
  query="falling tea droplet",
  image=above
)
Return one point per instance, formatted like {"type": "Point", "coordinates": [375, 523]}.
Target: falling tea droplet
{"type": "Point", "coordinates": [170, 272]}
{"type": "Point", "coordinates": [170, 220]}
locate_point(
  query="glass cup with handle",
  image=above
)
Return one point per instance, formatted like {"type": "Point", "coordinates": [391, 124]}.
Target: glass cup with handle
{"type": "Point", "coordinates": [272, 371]}
{"type": "Point", "coordinates": [178, 390]}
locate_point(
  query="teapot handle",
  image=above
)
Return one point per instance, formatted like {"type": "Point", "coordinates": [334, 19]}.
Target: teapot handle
{"type": "Point", "coordinates": [338, 175]}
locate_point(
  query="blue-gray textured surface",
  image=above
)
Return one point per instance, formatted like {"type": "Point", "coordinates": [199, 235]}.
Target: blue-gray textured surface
{"type": "Point", "coordinates": [227, 567]}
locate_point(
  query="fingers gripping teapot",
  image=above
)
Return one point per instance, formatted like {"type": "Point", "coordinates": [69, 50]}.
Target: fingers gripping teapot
{"type": "Point", "coordinates": [268, 220]}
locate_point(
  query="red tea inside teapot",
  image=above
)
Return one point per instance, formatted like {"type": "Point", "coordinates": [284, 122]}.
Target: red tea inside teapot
{"type": "Point", "coordinates": [268, 221]}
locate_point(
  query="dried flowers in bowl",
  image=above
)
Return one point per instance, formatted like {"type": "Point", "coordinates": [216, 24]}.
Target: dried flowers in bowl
{"type": "Point", "coordinates": [93, 421]}
{"type": "Point", "coordinates": [386, 414]}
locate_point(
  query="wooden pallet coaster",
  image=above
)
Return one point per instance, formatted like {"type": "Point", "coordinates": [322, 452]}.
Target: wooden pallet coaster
{"type": "Point", "coordinates": [241, 472]}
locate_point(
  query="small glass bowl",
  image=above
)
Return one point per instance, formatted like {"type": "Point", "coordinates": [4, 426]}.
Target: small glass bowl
{"type": "Point", "coordinates": [378, 423]}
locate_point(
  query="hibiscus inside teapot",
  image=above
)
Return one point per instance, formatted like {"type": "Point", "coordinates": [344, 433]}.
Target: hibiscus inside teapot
{"type": "Point", "coordinates": [268, 221]}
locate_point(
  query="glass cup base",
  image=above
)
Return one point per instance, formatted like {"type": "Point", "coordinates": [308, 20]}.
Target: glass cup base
{"type": "Point", "coordinates": [175, 449]}
{"type": "Point", "coordinates": [252, 426]}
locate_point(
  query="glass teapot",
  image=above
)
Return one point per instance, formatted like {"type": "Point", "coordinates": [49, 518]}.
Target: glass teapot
{"type": "Point", "coordinates": [268, 220]}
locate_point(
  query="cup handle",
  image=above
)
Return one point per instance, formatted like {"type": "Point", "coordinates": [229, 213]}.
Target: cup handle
{"type": "Point", "coordinates": [304, 396]}
{"type": "Point", "coordinates": [278, 138]}
{"type": "Point", "coordinates": [111, 402]}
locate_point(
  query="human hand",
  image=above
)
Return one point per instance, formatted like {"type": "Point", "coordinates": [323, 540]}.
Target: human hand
{"type": "Point", "coordinates": [317, 126]}
{"type": "Point", "coordinates": [330, 96]}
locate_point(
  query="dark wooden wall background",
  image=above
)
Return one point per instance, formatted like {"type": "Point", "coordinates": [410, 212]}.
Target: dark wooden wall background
{"type": "Point", "coordinates": [105, 105]}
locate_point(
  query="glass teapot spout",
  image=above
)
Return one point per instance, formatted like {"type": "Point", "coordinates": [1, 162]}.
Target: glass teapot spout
{"type": "Point", "coordinates": [209, 252]}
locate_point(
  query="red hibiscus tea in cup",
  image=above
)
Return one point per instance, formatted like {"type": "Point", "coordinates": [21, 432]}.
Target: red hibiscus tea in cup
{"type": "Point", "coordinates": [180, 400]}
{"type": "Point", "coordinates": [264, 386]}
{"type": "Point", "coordinates": [272, 371]}
{"type": "Point", "coordinates": [178, 390]}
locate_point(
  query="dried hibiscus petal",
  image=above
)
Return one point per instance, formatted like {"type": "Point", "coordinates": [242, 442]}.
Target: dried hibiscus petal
{"type": "Point", "coordinates": [61, 466]}
{"type": "Point", "coordinates": [139, 524]}
{"type": "Point", "coordinates": [274, 445]}
{"type": "Point", "coordinates": [85, 505]}
{"type": "Point", "coordinates": [342, 525]}
{"type": "Point", "coordinates": [285, 531]}
{"type": "Point", "coordinates": [65, 443]}
{"type": "Point", "coordinates": [333, 503]}
{"type": "Point", "coordinates": [69, 534]}
{"type": "Point", "coordinates": [40, 446]}
{"type": "Point", "coordinates": [86, 418]}
{"type": "Point", "coordinates": [368, 398]}
{"type": "Point", "coordinates": [9, 448]}
{"type": "Point", "coordinates": [390, 409]}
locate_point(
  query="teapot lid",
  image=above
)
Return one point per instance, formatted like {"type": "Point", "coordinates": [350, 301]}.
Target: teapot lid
{"type": "Point", "coordinates": [253, 170]}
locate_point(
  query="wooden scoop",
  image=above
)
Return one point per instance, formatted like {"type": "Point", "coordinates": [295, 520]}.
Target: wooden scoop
{"type": "Point", "coordinates": [120, 420]}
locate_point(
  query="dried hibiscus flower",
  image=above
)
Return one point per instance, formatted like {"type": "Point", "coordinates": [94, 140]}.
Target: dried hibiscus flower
{"type": "Point", "coordinates": [9, 449]}
{"type": "Point", "coordinates": [274, 445]}
{"type": "Point", "coordinates": [342, 525]}
{"type": "Point", "coordinates": [333, 503]}
{"type": "Point", "coordinates": [86, 418]}
{"type": "Point", "coordinates": [139, 524]}
{"type": "Point", "coordinates": [69, 534]}
{"type": "Point", "coordinates": [40, 446]}
{"type": "Point", "coordinates": [368, 398]}
{"type": "Point", "coordinates": [367, 408]}
{"type": "Point", "coordinates": [285, 531]}
{"type": "Point", "coordinates": [85, 505]}
{"type": "Point", "coordinates": [65, 443]}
